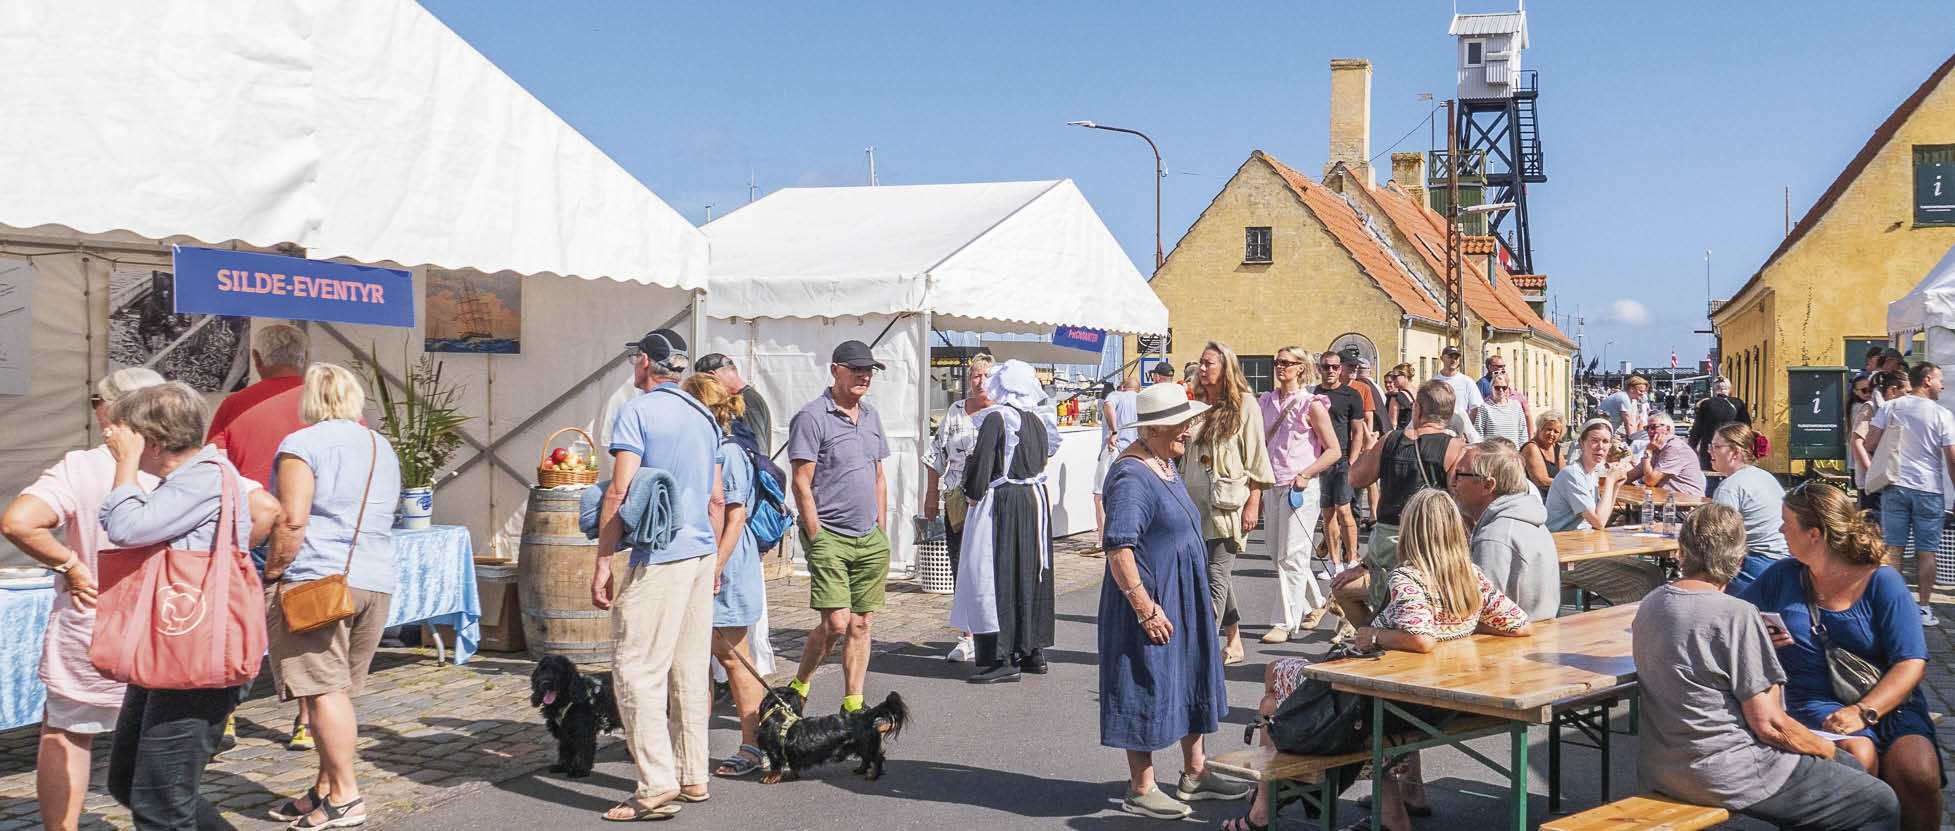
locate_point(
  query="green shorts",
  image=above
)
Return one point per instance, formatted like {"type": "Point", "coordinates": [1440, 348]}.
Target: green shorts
{"type": "Point", "coordinates": [846, 571]}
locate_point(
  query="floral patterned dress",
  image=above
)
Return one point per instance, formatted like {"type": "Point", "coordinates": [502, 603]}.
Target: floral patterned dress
{"type": "Point", "coordinates": [1413, 606]}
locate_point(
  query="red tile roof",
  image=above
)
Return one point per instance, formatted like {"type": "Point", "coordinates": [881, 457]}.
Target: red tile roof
{"type": "Point", "coordinates": [1500, 303]}
{"type": "Point", "coordinates": [1347, 227]}
{"type": "Point", "coordinates": [1882, 135]}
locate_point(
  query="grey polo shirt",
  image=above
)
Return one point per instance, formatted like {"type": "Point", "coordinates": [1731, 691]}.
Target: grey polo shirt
{"type": "Point", "coordinates": [846, 454]}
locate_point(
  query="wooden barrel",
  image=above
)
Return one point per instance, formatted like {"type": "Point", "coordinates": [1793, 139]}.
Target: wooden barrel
{"type": "Point", "coordinates": [553, 581]}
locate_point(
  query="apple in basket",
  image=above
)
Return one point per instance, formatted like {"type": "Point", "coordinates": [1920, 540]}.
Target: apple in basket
{"type": "Point", "coordinates": [558, 455]}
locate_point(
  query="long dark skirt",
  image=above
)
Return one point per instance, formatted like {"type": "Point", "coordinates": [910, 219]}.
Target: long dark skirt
{"type": "Point", "coordinates": [1024, 589]}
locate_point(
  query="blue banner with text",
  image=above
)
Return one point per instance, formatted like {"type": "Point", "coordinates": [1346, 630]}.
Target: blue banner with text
{"type": "Point", "coordinates": [244, 284]}
{"type": "Point", "coordinates": [1091, 340]}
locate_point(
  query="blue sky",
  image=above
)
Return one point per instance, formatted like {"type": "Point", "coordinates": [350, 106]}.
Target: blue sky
{"type": "Point", "coordinates": [1668, 128]}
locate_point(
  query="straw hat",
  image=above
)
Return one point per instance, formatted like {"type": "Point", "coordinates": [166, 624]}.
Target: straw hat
{"type": "Point", "coordinates": [1165, 404]}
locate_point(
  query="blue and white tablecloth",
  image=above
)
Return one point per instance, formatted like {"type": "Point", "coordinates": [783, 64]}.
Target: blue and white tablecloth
{"type": "Point", "coordinates": [434, 573]}
{"type": "Point", "coordinates": [24, 619]}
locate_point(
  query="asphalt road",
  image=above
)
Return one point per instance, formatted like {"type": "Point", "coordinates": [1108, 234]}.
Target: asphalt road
{"type": "Point", "coordinates": [1008, 756]}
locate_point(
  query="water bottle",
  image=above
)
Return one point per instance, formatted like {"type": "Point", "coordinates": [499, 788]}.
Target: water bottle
{"type": "Point", "coordinates": [1670, 515]}
{"type": "Point", "coordinates": [1649, 510]}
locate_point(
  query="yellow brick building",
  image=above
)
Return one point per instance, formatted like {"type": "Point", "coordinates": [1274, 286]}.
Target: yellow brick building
{"type": "Point", "coordinates": [1861, 246]}
{"type": "Point", "coordinates": [1278, 259]}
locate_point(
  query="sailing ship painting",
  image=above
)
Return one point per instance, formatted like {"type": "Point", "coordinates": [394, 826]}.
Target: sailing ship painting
{"type": "Point", "coordinates": [468, 311]}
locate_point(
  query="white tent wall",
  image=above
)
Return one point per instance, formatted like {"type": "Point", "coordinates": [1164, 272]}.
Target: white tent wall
{"type": "Point", "coordinates": [571, 329]}
{"type": "Point", "coordinates": [787, 360]}
{"type": "Point", "coordinates": [67, 345]}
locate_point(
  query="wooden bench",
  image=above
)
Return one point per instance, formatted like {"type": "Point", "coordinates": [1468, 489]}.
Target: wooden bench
{"type": "Point", "coordinates": [1647, 812]}
{"type": "Point", "coordinates": [1292, 776]}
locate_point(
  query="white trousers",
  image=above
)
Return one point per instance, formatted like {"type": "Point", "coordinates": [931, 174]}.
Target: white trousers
{"type": "Point", "coordinates": [662, 622]}
{"type": "Point", "coordinates": [1290, 532]}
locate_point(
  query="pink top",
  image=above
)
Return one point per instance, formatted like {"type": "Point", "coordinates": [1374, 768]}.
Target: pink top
{"type": "Point", "coordinates": [1293, 446]}
{"type": "Point", "coordinates": [75, 487]}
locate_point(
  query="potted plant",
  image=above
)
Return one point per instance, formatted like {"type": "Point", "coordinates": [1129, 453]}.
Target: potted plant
{"type": "Point", "coordinates": [422, 420]}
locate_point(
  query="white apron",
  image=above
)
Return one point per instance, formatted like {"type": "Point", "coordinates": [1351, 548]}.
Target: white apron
{"type": "Point", "coordinates": [974, 606]}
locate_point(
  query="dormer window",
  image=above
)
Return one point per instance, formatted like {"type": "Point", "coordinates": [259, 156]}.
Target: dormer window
{"type": "Point", "coordinates": [1476, 52]}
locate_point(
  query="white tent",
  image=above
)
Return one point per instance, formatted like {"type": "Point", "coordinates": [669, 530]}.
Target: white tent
{"type": "Point", "coordinates": [1930, 309]}
{"type": "Point", "coordinates": [359, 130]}
{"type": "Point", "coordinates": [806, 268]}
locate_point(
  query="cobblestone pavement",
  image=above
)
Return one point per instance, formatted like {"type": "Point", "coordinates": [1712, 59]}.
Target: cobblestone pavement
{"type": "Point", "coordinates": [432, 733]}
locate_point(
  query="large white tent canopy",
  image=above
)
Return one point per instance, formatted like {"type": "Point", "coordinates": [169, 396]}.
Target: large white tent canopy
{"type": "Point", "coordinates": [363, 129]}
{"type": "Point", "coordinates": [1004, 256]}
{"type": "Point", "coordinates": [803, 269]}
{"type": "Point", "coordinates": [360, 130]}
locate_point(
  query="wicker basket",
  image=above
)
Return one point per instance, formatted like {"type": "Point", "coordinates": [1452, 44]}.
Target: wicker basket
{"type": "Point", "coordinates": [549, 478]}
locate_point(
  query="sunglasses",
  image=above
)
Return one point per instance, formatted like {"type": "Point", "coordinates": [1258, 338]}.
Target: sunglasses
{"type": "Point", "coordinates": [1461, 474]}
{"type": "Point", "coordinates": [95, 401]}
{"type": "Point", "coordinates": [1330, 366]}
{"type": "Point", "coordinates": [1501, 389]}
{"type": "Point", "coordinates": [1280, 362]}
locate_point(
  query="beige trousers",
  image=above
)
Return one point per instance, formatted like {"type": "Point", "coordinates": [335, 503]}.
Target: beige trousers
{"type": "Point", "coordinates": [662, 622]}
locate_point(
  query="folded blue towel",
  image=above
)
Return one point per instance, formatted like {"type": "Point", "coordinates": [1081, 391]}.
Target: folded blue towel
{"type": "Point", "coordinates": [650, 512]}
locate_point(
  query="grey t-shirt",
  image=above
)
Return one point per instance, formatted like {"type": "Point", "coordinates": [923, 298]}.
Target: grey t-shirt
{"type": "Point", "coordinates": [1699, 656]}
{"type": "Point", "coordinates": [845, 454]}
{"type": "Point", "coordinates": [1760, 499]}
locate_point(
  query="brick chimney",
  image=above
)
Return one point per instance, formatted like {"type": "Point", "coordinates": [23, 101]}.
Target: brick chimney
{"type": "Point", "coordinates": [1409, 171]}
{"type": "Point", "coordinates": [1350, 117]}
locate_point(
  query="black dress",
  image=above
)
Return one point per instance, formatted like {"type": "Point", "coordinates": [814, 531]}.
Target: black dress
{"type": "Point", "coordinates": [1021, 536]}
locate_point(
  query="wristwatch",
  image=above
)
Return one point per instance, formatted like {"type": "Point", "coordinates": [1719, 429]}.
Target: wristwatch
{"type": "Point", "coordinates": [66, 567]}
{"type": "Point", "coordinates": [1870, 715]}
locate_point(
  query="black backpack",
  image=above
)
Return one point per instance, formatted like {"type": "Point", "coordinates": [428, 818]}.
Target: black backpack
{"type": "Point", "coordinates": [1316, 720]}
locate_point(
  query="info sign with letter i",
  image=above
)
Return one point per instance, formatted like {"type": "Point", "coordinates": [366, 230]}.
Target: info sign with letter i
{"type": "Point", "coordinates": [245, 284]}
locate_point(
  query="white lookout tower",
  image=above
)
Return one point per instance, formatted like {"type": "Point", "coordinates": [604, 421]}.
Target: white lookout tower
{"type": "Point", "coordinates": [1499, 137]}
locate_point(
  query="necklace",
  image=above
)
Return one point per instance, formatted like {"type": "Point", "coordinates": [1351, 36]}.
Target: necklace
{"type": "Point", "coordinates": [1154, 461]}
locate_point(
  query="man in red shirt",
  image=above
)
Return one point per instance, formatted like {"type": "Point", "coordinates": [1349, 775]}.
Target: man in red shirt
{"type": "Point", "coordinates": [248, 427]}
{"type": "Point", "coordinates": [251, 422]}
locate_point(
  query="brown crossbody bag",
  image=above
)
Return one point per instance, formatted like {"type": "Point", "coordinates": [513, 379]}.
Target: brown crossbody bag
{"type": "Point", "coordinates": [315, 603]}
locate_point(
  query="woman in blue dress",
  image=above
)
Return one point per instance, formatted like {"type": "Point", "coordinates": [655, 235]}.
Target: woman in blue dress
{"type": "Point", "coordinates": [739, 587]}
{"type": "Point", "coordinates": [1864, 608]}
{"type": "Point", "coordinates": [1160, 662]}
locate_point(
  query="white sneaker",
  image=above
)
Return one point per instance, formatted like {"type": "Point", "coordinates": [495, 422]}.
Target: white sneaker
{"type": "Point", "coordinates": [1928, 617]}
{"type": "Point", "coordinates": [962, 651]}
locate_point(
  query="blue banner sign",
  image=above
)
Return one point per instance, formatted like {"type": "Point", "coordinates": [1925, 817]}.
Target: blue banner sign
{"type": "Point", "coordinates": [243, 284]}
{"type": "Point", "coordinates": [1073, 337]}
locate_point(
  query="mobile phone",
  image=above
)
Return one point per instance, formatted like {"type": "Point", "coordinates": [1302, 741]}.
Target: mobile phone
{"type": "Point", "coordinates": [1774, 625]}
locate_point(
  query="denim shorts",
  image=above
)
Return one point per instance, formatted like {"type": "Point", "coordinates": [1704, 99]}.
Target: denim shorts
{"type": "Point", "coordinates": [1905, 510]}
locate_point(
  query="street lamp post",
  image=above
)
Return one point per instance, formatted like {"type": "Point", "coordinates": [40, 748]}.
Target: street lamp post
{"type": "Point", "coordinates": [1159, 174]}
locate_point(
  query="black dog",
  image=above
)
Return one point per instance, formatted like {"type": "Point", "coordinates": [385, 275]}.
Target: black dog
{"type": "Point", "coordinates": [577, 707]}
{"type": "Point", "coordinates": [794, 743]}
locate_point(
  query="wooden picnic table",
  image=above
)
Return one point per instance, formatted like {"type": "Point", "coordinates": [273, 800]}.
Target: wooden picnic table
{"type": "Point", "coordinates": [1566, 661]}
{"type": "Point", "coordinates": [1632, 496]}
{"type": "Point", "coordinates": [1577, 546]}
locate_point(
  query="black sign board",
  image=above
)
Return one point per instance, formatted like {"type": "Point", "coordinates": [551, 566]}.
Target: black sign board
{"type": "Point", "coordinates": [1934, 185]}
{"type": "Point", "coordinates": [1816, 407]}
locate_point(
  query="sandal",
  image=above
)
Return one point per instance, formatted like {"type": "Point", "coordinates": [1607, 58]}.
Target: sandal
{"type": "Point", "coordinates": [290, 811]}
{"type": "Point", "coordinates": [335, 816]}
{"type": "Point", "coordinates": [1243, 823]}
{"type": "Point", "coordinates": [1230, 659]}
{"type": "Point", "coordinates": [642, 814]}
{"type": "Point", "coordinates": [742, 763]}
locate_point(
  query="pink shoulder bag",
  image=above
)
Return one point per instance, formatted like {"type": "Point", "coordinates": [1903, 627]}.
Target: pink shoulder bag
{"type": "Point", "coordinates": [170, 619]}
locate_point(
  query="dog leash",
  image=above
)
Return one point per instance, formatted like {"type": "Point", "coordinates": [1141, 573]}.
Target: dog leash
{"type": "Point", "coordinates": [792, 716]}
